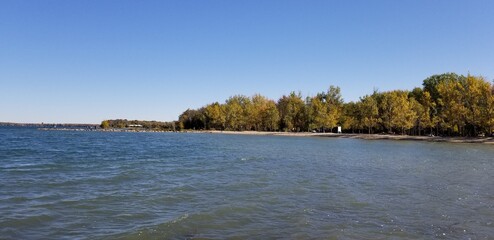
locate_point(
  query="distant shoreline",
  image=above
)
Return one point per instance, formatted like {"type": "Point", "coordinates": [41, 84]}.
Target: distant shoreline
{"type": "Point", "coordinates": [48, 125]}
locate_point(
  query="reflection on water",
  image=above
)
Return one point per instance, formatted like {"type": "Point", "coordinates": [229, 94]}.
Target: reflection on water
{"type": "Point", "coordinates": [88, 185]}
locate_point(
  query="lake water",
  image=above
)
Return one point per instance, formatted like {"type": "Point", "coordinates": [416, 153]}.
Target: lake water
{"type": "Point", "coordinates": [114, 185]}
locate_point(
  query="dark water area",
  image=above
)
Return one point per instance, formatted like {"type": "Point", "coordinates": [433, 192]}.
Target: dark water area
{"type": "Point", "coordinates": [117, 185]}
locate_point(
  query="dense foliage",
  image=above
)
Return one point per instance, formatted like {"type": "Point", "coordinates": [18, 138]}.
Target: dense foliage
{"type": "Point", "coordinates": [137, 124]}
{"type": "Point", "coordinates": [447, 104]}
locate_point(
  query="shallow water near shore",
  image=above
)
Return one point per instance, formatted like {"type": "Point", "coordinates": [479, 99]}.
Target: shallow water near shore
{"type": "Point", "coordinates": [117, 185]}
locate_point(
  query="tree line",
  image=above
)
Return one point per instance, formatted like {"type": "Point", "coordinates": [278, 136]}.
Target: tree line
{"type": "Point", "coordinates": [447, 104]}
{"type": "Point", "coordinates": [138, 124]}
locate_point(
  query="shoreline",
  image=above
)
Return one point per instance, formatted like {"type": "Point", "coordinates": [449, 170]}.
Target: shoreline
{"type": "Point", "coordinates": [484, 140]}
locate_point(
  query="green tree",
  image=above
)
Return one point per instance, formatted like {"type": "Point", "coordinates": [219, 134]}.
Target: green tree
{"type": "Point", "coordinates": [318, 112]}
{"type": "Point", "coordinates": [270, 117]}
{"type": "Point", "coordinates": [292, 112]}
{"type": "Point", "coordinates": [334, 103]}
{"type": "Point", "coordinates": [192, 119]}
{"type": "Point", "coordinates": [422, 104]}
{"type": "Point", "coordinates": [236, 113]}
{"type": "Point", "coordinates": [430, 84]}
{"type": "Point", "coordinates": [263, 114]}
{"type": "Point", "coordinates": [451, 101]}
{"type": "Point", "coordinates": [215, 115]}
{"type": "Point", "coordinates": [396, 111]}
{"type": "Point", "coordinates": [255, 111]}
{"type": "Point", "coordinates": [477, 92]}
{"type": "Point", "coordinates": [488, 121]}
{"type": "Point", "coordinates": [387, 105]}
{"type": "Point", "coordinates": [350, 118]}
{"type": "Point", "coordinates": [405, 116]}
{"type": "Point", "coordinates": [105, 124]}
{"type": "Point", "coordinates": [369, 112]}
{"type": "Point", "coordinates": [325, 109]}
{"type": "Point", "coordinates": [430, 108]}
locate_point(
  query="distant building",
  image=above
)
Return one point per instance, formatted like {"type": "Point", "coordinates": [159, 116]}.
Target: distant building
{"type": "Point", "coordinates": [135, 125]}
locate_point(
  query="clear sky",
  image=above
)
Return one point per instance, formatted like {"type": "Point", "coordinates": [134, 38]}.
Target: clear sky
{"type": "Point", "coordinates": [86, 61]}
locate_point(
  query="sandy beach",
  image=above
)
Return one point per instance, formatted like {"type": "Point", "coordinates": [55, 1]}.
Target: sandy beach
{"type": "Point", "coordinates": [486, 140]}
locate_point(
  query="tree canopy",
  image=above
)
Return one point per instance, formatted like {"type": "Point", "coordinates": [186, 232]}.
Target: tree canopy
{"type": "Point", "coordinates": [446, 104]}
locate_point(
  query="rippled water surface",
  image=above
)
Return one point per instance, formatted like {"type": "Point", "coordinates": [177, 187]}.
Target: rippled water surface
{"type": "Point", "coordinates": [99, 185]}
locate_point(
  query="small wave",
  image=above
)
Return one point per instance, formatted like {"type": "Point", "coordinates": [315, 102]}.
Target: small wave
{"type": "Point", "coordinates": [181, 218]}
{"type": "Point", "coordinates": [26, 221]}
{"type": "Point", "coordinates": [26, 167]}
{"type": "Point", "coordinates": [251, 158]}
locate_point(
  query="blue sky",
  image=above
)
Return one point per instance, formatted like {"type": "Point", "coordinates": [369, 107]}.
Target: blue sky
{"type": "Point", "coordinates": [86, 61]}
